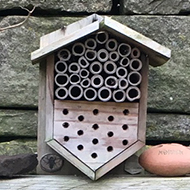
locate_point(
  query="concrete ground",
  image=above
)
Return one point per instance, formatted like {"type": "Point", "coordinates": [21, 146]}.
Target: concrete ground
{"type": "Point", "coordinates": [42, 182]}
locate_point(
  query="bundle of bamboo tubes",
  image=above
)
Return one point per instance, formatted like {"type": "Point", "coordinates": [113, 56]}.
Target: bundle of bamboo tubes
{"type": "Point", "coordinates": [99, 67]}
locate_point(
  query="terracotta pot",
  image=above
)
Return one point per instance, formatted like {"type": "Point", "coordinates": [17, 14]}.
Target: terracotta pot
{"type": "Point", "coordinates": [166, 160]}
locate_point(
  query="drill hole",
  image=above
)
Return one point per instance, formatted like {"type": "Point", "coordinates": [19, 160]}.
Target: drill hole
{"type": "Point", "coordinates": [110, 118]}
{"type": "Point", "coordinates": [65, 111]}
{"type": "Point", "coordinates": [65, 125]}
{"type": "Point", "coordinates": [81, 118]}
{"type": "Point", "coordinates": [95, 111]}
{"type": "Point", "coordinates": [109, 148]}
{"type": "Point", "coordinates": [95, 141]}
{"type": "Point", "coordinates": [126, 112]}
{"type": "Point", "coordinates": [66, 138]}
{"type": "Point", "coordinates": [80, 132]}
{"type": "Point", "coordinates": [94, 155]}
{"type": "Point", "coordinates": [110, 134]}
{"type": "Point", "coordinates": [95, 126]}
{"type": "Point", "coordinates": [80, 147]}
{"type": "Point", "coordinates": [125, 142]}
{"type": "Point", "coordinates": [125, 127]}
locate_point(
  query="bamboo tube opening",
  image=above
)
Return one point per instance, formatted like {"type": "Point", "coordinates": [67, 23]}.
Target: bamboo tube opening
{"type": "Point", "coordinates": [111, 82]}
{"type": "Point", "coordinates": [85, 83]}
{"type": "Point", "coordinates": [119, 95]}
{"type": "Point", "coordinates": [90, 94]}
{"type": "Point", "coordinates": [84, 73]}
{"type": "Point", "coordinates": [97, 81]}
{"type": "Point", "coordinates": [60, 67]}
{"type": "Point", "coordinates": [114, 56]}
{"type": "Point", "coordinates": [78, 49]}
{"type": "Point", "coordinates": [83, 62]}
{"type": "Point", "coordinates": [90, 55]}
{"type": "Point", "coordinates": [104, 94]}
{"type": "Point", "coordinates": [124, 62]}
{"type": "Point", "coordinates": [123, 83]}
{"type": "Point", "coordinates": [124, 49]}
{"type": "Point", "coordinates": [75, 79]}
{"type": "Point", "coordinates": [96, 68]}
{"type": "Point", "coordinates": [135, 64]}
{"type": "Point", "coordinates": [64, 54]}
{"type": "Point", "coordinates": [111, 45]}
{"type": "Point", "coordinates": [90, 43]}
{"type": "Point", "coordinates": [110, 67]}
{"type": "Point", "coordinates": [121, 72]}
{"type": "Point", "coordinates": [61, 79]}
{"type": "Point", "coordinates": [61, 93]}
{"type": "Point", "coordinates": [134, 78]}
{"type": "Point", "coordinates": [75, 92]}
{"type": "Point", "coordinates": [135, 53]}
{"type": "Point", "coordinates": [102, 37]}
{"type": "Point", "coordinates": [74, 68]}
{"type": "Point", "coordinates": [133, 93]}
{"type": "Point", "coordinates": [102, 55]}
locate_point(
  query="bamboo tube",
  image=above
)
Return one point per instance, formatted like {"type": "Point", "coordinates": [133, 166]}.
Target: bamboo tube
{"type": "Point", "coordinates": [75, 92]}
{"type": "Point", "coordinates": [61, 79]}
{"type": "Point", "coordinates": [61, 93]}
{"type": "Point", "coordinates": [84, 73]}
{"type": "Point", "coordinates": [95, 67]}
{"type": "Point", "coordinates": [134, 78]}
{"type": "Point", "coordinates": [74, 78]}
{"type": "Point", "coordinates": [111, 82]}
{"type": "Point", "coordinates": [133, 93]}
{"type": "Point", "coordinates": [90, 94]}
{"type": "Point", "coordinates": [121, 72]}
{"type": "Point", "coordinates": [110, 67]}
{"type": "Point", "coordinates": [102, 37]}
{"type": "Point", "coordinates": [111, 45]}
{"type": "Point", "coordinates": [104, 94]}
{"type": "Point", "coordinates": [114, 56]}
{"type": "Point", "coordinates": [90, 55]}
{"type": "Point", "coordinates": [85, 83]}
{"type": "Point", "coordinates": [74, 68]}
{"type": "Point", "coordinates": [97, 81]}
{"type": "Point", "coordinates": [64, 55]}
{"type": "Point", "coordinates": [78, 49]}
{"type": "Point", "coordinates": [83, 62]}
{"type": "Point", "coordinates": [119, 95]}
{"type": "Point", "coordinates": [124, 49]}
{"type": "Point", "coordinates": [123, 83]}
{"type": "Point", "coordinates": [135, 53]}
{"type": "Point", "coordinates": [102, 55]}
{"type": "Point", "coordinates": [61, 67]}
{"type": "Point", "coordinates": [135, 65]}
{"type": "Point", "coordinates": [90, 43]}
{"type": "Point", "coordinates": [124, 62]}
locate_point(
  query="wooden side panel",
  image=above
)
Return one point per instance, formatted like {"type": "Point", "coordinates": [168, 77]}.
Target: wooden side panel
{"type": "Point", "coordinates": [49, 97]}
{"type": "Point", "coordinates": [143, 100]}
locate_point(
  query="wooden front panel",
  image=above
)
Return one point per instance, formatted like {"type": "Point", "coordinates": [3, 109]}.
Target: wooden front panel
{"type": "Point", "coordinates": [95, 132]}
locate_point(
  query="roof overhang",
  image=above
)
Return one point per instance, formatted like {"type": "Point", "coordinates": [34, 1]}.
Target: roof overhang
{"type": "Point", "coordinates": [49, 43]}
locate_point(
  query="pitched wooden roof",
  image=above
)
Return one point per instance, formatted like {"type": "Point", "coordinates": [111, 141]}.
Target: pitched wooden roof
{"type": "Point", "coordinates": [49, 43]}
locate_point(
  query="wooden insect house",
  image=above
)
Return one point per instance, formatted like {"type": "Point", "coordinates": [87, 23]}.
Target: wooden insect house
{"type": "Point", "coordinates": [93, 95]}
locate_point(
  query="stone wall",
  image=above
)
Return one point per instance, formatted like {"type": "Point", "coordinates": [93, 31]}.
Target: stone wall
{"type": "Point", "coordinates": [166, 22]}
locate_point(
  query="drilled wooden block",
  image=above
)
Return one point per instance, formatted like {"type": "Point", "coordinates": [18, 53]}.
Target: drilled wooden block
{"type": "Point", "coordinates": [95, 132]}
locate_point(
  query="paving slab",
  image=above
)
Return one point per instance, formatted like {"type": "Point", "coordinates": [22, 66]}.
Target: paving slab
{"type": "Point", "coordinates": [41, 182]}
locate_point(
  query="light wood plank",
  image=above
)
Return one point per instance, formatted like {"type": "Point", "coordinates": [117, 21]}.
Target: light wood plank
{"type": "Point", "coordinates": [41, 53]}
{"type": "Point", "coordinates": [68, 30]}
{"type": "Point", "coordinates": [143, 99]}
{"type": "Point", "coordinates": [158, 53]}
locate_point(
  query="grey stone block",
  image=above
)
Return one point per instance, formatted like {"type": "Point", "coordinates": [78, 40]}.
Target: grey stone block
{"type": "Point", "coordinates": [155, 7]}
{"type": "Point", "coordinates": [61, 5]}
{"type": "Point", "coordinates": [18, 123]}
